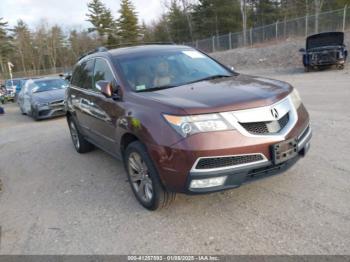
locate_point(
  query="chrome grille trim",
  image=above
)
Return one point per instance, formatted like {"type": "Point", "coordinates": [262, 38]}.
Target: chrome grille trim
{"type": "Point", "coordinates": [233, 167]}
{"type": "Point", "coordinates": [263, 114]}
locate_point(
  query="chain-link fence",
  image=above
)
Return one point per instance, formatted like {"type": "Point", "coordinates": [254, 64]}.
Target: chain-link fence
{"type": "Point", "coordinates": [337, 20]}
{"type": "Point", "coordinates": [41, 72]}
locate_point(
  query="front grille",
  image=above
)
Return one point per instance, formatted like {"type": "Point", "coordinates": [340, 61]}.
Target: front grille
{"type": "Point", "coordinates": [265, 128]}
{"type": "Point", "coordinates": [217, 162]}
{"type": "Point", "coordinates": [58, 102]}
{"type": "Point", "coordinates": [325, 57]}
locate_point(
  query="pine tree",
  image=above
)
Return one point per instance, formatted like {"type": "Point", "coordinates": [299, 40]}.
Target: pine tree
{"type": "Point", "coordinates": [100, 17]}
{"type": "Point", "coordinates": [6, 47]}
{"type": "Point", "coordinates": [128, 22]}
{"type": "Point", "coordinates": [22, 41]}
{"type": "Point", "coordinates": [178, 24]}
{"type": "Point", "coordinates": [216, 17]}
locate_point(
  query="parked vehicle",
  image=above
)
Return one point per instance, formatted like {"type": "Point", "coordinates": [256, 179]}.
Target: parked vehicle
{"type": "Point", "coordinates": [13, 87]}
{"type": "Point", "coordinates": [183, 122]}
{"type": "Point", "coordinates": [43, 98]}
{"type": "Point", "coordinates": [324, 49]}
{"type": "Point", "coordinates": [2, 94]}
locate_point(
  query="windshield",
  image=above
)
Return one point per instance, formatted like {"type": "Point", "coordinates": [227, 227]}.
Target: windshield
{"type": "Point", "coordinates": [48, 85]}
{"type": "Point", "coordinates": [168, 69]}
{"type": "Point", "coordinates": [10, 83]}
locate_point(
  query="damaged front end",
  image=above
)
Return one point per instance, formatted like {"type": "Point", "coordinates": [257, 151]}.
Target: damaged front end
{"type": "Point", "coordinates": [325, 49]}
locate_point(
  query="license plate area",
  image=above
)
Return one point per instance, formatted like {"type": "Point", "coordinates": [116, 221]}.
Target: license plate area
{"type": "Point", "coordinates": [284, 151]}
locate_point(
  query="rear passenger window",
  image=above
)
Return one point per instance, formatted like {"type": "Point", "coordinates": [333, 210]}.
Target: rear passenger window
{"type": "Point", "coordinates": [83, 75]}
{"type": "Point", "coordinates": [102, 72]}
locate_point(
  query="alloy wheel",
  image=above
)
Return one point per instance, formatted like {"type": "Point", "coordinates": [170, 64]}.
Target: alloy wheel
{"type": "Point", "coordinates": [74, 134]}
{"type": "Point", "coordinates": [139, 176]}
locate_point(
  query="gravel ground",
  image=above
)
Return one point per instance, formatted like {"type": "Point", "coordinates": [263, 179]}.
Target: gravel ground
{"type": "Point", "coordinates": [55, 201]}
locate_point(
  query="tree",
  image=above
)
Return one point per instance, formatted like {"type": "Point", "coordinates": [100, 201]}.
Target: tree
{"type": "Point", "coordinates": [177, 22]}
{"type": "Point", "coordinates": [215, 17]}
{"type": "Point", "coordinates": [243, 5]}
{"type": "Point", "coordinates": [265, 12]}
{"type": "Point", "coordinates": [128, 29]}
{"type": "Point", "coordinates": [101, 18]}
{"type": "Point", "coordinates": [6, 47]}
{"type": "Point", "coordinates": [318, 7]}
{"type": "Point", "coordinates": [22, 41]}
{"type": "Point", "coordinates": [55, 45]}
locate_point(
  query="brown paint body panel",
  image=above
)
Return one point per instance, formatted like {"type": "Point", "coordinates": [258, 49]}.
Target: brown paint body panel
{"type": "Point", "coordinates": [106, 121]}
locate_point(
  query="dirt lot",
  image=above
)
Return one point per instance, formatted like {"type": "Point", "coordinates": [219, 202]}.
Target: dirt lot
{"type": "Point", "coordinates": [55, 201]}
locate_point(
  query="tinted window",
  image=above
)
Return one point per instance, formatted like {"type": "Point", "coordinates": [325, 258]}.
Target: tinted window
{"type": "Point", "coordinates": [48, 85]}
{"type": "Point", "coordinates": [10, 83]}
{"type": "Point", "coordinates": [102, 72]}
{"type": "Point", "coordinates": [83, 75]}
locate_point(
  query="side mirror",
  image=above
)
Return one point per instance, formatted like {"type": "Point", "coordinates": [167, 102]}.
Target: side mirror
{"type": "Point", "coordinates": [232, 68]}
{"type": "Point", "coordinates": [302, 50]}
{"type": "Point", "coordinates": [106, 88]}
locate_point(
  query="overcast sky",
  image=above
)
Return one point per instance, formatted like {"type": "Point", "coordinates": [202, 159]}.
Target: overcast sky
{"type": "Point", "coordinates": [69, 13]}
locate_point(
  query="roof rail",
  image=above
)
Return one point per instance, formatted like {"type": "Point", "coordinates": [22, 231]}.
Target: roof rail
{"type": "Point", "coordinates": [139, 43]}
{"type": "Point", "coordinates": [96, 50]}
{"type": "Point", "coordinates": [108, 47]}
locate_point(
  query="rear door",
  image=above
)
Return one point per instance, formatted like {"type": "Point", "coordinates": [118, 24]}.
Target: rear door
{"type": "Point", "coordinates": [81, 86]}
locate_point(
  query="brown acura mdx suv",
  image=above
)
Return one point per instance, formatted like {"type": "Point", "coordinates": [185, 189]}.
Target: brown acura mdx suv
{"type": "Point", "coordinates": [183, 122]}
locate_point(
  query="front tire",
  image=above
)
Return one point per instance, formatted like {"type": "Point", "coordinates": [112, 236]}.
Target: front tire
{"type": "Point", "coordinates": [144, 178]}
{"type": "Point", "coordinates": [81, 145]}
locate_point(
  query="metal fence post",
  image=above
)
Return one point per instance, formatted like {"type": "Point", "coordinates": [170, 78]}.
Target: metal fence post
{"type": "Point", "coordinates": [197, 44]}
{"type": "Point", "coordinates": [344, 17]}
{"type": "Point", "coordinates": [229, 41]}
{"type": "Point", "coordinates": [306, 25]}
{"type": "Point", "coordinates": [213, 44]}
{"type": "Point", "coordinates": [251, 37]}
{"type": "Point", "coordinates": [276, 30]}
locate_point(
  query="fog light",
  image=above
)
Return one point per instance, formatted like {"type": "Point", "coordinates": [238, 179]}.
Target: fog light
{"type": "Point", "coordinates": [208, 182]}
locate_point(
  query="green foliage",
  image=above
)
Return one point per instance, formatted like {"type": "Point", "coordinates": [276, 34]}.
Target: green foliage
{"type": "Point", "coordinates": [100, 17]}
{"type": "Point", "coordinates": [6, 46]}
{"type": "Point", "coordinates": [215, 17]}
{"type": "Point", "coordinates": [177, 22]}
{"type": "Point", "coordinates": [128, 29]}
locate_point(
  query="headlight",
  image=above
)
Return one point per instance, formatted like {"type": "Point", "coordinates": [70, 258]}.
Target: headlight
{"type": "Point", "coordinates": [189, 125]}
{"type": "Point", "coordinates": [295, 98]}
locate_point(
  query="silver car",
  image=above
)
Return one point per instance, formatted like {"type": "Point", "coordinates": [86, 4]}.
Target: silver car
{"type": "Point", "coordinates": [43, 98]}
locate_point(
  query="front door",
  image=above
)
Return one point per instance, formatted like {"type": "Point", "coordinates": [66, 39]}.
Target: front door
{"type": "Point", "coordinates": [106, 111]}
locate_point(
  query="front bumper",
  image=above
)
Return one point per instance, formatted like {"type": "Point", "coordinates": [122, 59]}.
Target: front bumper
{"type": "Point", "coordinates": [175, 163]}
{"type": "Point", "coordinates": [45, 112]}
{"type": "Point", "coordinates": [248, 173]}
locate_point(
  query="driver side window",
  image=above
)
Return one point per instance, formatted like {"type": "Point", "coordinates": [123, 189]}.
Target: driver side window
{"type": "Point", "coordinates": [102, 72]}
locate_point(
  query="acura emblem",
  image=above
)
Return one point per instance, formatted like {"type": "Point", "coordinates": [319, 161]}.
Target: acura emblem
{"type": "Point", "coordinates": [274, 113]}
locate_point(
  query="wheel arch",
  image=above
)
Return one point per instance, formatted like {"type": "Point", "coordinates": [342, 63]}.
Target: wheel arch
{"type": "Point", "coordinates": [127, 139]}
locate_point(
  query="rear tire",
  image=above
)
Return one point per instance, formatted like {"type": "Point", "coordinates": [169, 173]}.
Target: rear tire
{"type": "Point", "coordinates": [81, 145]}
{"type": "Point", "coordinates": [144, 179]}
{"type": "Point", "coordinates": [307, 69]}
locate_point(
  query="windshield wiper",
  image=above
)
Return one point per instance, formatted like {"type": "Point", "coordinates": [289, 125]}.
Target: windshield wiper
{"type": "Point", "coordinates": [209, 78]}
{"type": "Point", "coordinates": [156, 88]}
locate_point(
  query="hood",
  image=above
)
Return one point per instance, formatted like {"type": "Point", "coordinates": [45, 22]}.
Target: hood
{"type": "Point", "coordinates": [325, 39]}
{"type": "Point", "coordinates": [225, 94]}
{"type": "Point", "coordinates": [49, 96]}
